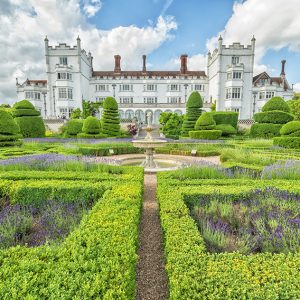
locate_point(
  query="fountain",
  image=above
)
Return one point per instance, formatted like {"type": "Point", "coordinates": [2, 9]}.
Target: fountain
{"type": "Point", "coordinates": [149, 144]}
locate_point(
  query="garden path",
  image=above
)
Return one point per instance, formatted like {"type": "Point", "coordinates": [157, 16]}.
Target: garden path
{"type": "Point", "coordinates": [151, 274]}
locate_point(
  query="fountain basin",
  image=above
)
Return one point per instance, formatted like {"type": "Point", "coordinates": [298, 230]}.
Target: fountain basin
{"type": "Point", "coordinates": [148, 144]}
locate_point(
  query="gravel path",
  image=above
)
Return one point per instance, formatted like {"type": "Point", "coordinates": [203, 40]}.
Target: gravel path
{"type": "Point", "coordinates": [151, 275]}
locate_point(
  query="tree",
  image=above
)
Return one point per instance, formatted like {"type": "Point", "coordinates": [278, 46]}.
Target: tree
{"type": "Point", "coordinates": [172, 123]}
{"type": "Point", "coordinates": [76, 114]}
{"type": "Point", "coordinates": [193, 112]}
{"type": "Point", "coordinates": [213, 106]}
{"type": "Point", "coordinates": [295, 108]}
{"type": "Point", "coordinates": [90, 108]}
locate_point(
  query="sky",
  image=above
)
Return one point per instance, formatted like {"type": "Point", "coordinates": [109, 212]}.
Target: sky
{"type": "Point", "coordinates": [161, 29]}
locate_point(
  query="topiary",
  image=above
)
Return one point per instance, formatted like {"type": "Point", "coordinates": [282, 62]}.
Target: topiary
{"type": "Point", "coordinates": [193, 112]}
{"type": "Point", "coordinates": [291, 129]}
{"type": "Point", "coordinates": [205, 122]}
{"type": "Point", "coordinates": [276, 103]}
{"type": "Point", "coordinates": [73, 127]}
{"type": "Point", "coordinates": [91, 125]}
{"type": "Point", "coordinates": [287, 142]}
{"type": "Point", "coordinates": [269, 122]}
{"type": "Point", "coordinates": [9, 130]}
{"type": "Point", "coordinates": [225, 117]}
{"type": "Point", "coordinates": [226, 129]}
{"type": "Point", "coordinates": [110, 117]}
{"type": "Point", "coordinates": [28, 119]}
{"type": "Point", "coordinates": [205, 134]}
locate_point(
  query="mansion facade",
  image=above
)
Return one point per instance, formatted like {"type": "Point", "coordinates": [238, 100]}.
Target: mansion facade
{"type": "Point", "coordinates": [70, 78]}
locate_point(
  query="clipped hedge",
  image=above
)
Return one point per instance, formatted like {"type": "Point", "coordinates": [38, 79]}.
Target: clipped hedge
{"type": "Point", "coordinates": [29, 120]}
{"type": "Point", "coordinates": [110, 117]}
{"type": "Point", "coordinates": [276, 103]}
{"type": "Point", "coordinates": [287, 142]}
{"type": "Point", "coordinates": [226, 129]}
{"type": "Point", "coordinates": [195, 274]}
{"type": "Point", "coordinates": [267, 130]}
{"type": "Point", "coordinates": [205, 134]}
{"type": "Point", "coordinates": [225, 117]}
{"type": "Point", "coordinates": [91, 125]}
{"type": "Point", "coordinates": [96, 261]}
{"type": "Point", "coordinates": [274, 117]}
{"type": "Point", "coordinates": [73, 127]}
{"type": "Point", "coordinates": [291, 129]}
{"type": "Point", "coordinates": [9, 130]}
{"type": "Point", "coordinates": [205, 122]}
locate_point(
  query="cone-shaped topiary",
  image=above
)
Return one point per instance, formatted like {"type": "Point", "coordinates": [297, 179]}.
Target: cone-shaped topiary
{"type": "Point", "coordinates": [205, 122]}
{"type": "Point", "coordinates": [9, 130]}
{"type": "Point", "coordinates": [276, 103]}
{"type": "Point", "coordinates": [28, 119]}
{"type": "Point", "coordinates": [274, 114]}
{"type": "Point", "coordinates": [110, 117]}
{"type": "Point", "coordinates": [193, 112]}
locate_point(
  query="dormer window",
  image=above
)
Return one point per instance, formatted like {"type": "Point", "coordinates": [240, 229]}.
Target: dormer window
{"type": "Point", "coordinates": [235, 60]}
{"type": "Point", "coordinates": [63, 60]}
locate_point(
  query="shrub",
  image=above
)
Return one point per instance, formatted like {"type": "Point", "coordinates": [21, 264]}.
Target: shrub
{"type": "Point", "coordinates": [9, 130]}
{"type": "Point", "coordinates": [287, 142]}
{"type": "Point", "coordinates": [28, 119]}
{"type": "Point", "coordinates": [91, 125]}
{"type": "Point", "coordinates": [83, 135]}
{"type": "Point", "coordinates": [225, 117]}
{"type": "Point", "coordinates": [205, 122]}
{"type": "Point", "coordinates": [267, 130]}
{"type": "Point", "coordinates": [291, 129]}
{"type": "Point", "coordinates": [226, 129]}
{"type": "Point", "coordinates": [110, 117]}
{"type": "Point", "coordinates": [205, 134]}
{"type": "Point", "coordinates": [295, 108]}
{"type": "Point", "coordinates": [193, 112]}
{"type": "Point", "coordinates": [276, 103]}
{"type": "Point", "coordinates": [274, 117]}
{"type": "Point", "coordinates": [73, 127]}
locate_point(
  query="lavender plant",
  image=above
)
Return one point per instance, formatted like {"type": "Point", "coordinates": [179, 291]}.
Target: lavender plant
{"type": "Point", "coordinates": [289, 169]}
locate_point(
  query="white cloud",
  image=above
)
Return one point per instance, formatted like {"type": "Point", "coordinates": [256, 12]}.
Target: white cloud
{"type": "Point", "coordinates": [275, 24]}
{"type": "Point", "coordinates": [297, 87]}
{"type": "Point", "coordinates": [91, 7]}
{"type": "Point", "coordinates": [24, 24]}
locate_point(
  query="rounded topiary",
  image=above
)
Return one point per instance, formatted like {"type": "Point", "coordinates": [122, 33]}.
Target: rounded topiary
{"type": "Point", "coordinates": [91, 125]}
{"type": "Point", "coordinates": [28, 119]}
{"type": "Point", "coordinates": [265, 130]}
{"type": "Point", "coordinates": [226, 129]}
{"type": "Point", "coordinates": [9, 130]}
{"type": "Point", "coordinates": [276, 103]}
{"type": "Point", "coordinates": [291, 129]}
{"type": "Point", "coordinates": [73, 127]}
{"type": "Point", "coordinates": [225, 117]}
{"type": "Point", "coordinates": [193, 112]}
{"type": "Point", "coordinates": [205, 122]}
{"type": "Point", "coordinates": [110, 117]}
{"type": "Point", "coordinates": [274, 117]}
{"type": "Point", "coordinates": [205, 134]}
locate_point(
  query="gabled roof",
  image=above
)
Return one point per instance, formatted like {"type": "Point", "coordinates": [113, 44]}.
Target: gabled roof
{"type": "Point", "coordinates": [263, 75]}
{"type": "Point", "coordinates": [278, 80]}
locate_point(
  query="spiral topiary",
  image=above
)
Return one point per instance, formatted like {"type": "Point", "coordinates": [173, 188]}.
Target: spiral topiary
{"type": "Point", "coordinates": [9, 130]}
{"type": "Point", "coordinates": [28, 119]}
{"type": "Point", "coordinates": [110, 117]}
{"type": "Point", "coordinates": [193, 112]}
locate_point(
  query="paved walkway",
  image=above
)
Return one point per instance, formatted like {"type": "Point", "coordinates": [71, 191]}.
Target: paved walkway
{"type": "Point", "coordinates": [151, 274]}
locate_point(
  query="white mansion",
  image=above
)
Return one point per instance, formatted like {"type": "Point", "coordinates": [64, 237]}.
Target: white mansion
{"type": "Point", "coordinates": [229, 81]}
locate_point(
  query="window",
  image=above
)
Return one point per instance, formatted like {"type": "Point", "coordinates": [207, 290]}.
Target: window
{"type": "Point", "coordinates": [126, 88]}
{"type": "Point", "coordinates": [100, 99]}
{"type": "Point", "coordinates": [236, 110]}
{"type": "Point", "coordinates": [269, 95]}
{"type": "Point", "coordinates": [63, 111]}
{"type": "Point", "coordinates": [173, 87]}
{"type": "Point", "coordinates": [70, 94]}
{"type": "Point", "coordinates": [228, 93]}
{"type": "Point", "coordinates": [261, 95]}
{"type": "Point", "coordinates": [150, 100]}
{"type": "Point", "coordinates": [236, 93]}
{"type": "Point", "coordinates": [199, 87]}
{"type": "Point", "coordinates": [33, 95]}
{"type": "Point", "coordinates": [64, 76]}
{"type": "Point", "coordinates": [237, 75]}
{"type": "Point", "coordinates": [126, 100]}
{"type": "Point", "coordinates": [101, 88]}
{"type": "Point", "coordinates": [174, 100]}
{"type": "Point", "coordinates": [63, 60]}
{"type": "Point", "coordinates": [235, 60]}
{"type": "Point", "coordinates": [150, 87]}
{"type": "Point", "coordinates": [62, 93]}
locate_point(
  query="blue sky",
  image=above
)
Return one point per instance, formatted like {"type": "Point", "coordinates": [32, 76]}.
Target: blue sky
{"type": "Point", "coordinates": [162, 29]}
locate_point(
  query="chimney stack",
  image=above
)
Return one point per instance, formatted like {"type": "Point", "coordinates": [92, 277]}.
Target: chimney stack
{"type": "Point", "coordinates": [144, 64]}
{"type": "Point", "coordinates": [183, 68]}
{"type": "Point", "coordinates": [282, 67]}
{"type": "Point", "coordinates": [117, 64]}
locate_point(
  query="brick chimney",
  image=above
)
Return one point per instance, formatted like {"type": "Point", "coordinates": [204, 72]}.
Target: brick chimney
{"type": "Point", "coordinates": [183, 59]}
{"type": "Point", "coordinates": [117, 64]}
{"type": "Point", "coordinates": [144, 64]}
{"type": "Point", "coordinates": [282, 67]}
